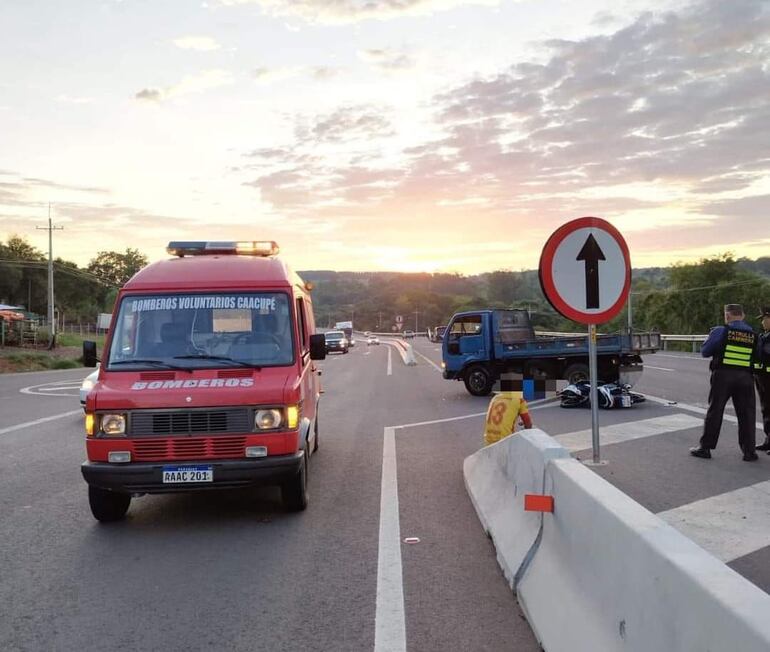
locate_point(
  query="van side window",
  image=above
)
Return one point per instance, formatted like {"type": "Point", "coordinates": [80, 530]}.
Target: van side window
{"type": "Point", "coordinates": [302, 323]}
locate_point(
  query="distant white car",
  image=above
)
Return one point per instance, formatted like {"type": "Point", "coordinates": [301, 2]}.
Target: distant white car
{"type": "Point", "coordinates": [372, 339]}
{"type": "Point", "coordinates": [408, 335]}
{"type": "Point", "coordinates": [88, 385]}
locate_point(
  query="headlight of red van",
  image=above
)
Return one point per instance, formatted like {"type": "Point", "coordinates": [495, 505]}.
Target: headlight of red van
{"type": "Point", "coordinates": [113, 424]}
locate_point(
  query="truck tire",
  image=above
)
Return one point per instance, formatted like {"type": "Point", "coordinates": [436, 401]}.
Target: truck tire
{"type": "Point", "coordinates": [107, 506]}
{"type": "Point", "coordinates": [294, 491]}
{"type": "Point", "coordinates": [478, 381]}
{"type": "Point", "coordinates": [577, 372]}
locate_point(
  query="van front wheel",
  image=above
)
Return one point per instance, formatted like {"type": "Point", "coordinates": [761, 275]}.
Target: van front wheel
{"type": "Point", "coordinates": [107, 506]}
{"type": "Point", "coordinates": [294, 492]}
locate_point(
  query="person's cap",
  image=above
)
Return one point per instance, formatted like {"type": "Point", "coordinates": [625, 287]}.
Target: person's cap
{"type": "Point", "coordinates": [734, 308]}
{"type": "Point", "coordinates": [765, 312]}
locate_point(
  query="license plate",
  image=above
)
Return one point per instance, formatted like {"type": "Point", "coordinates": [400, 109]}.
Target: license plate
{"type": "Point", "coordinates": [187, 474]}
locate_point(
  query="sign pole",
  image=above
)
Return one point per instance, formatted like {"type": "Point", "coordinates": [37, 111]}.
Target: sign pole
{"type": "Point", "coordinates": [594, 393]}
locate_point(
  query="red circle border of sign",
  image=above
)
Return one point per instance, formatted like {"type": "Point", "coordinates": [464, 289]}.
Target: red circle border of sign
{"type": "Point", "coordinates": [546, 271]}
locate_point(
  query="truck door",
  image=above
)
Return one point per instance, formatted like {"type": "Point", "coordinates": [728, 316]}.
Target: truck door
{"type": "Point", "coordinates": [466, 338]}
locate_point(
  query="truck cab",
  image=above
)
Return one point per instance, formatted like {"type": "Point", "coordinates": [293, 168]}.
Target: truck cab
{"type": "Point", "coordinates": [208, 379]}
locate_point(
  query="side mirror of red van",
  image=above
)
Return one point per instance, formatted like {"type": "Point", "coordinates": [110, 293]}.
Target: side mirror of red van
{"type": "Point", "coordinates": [317, 347]}
{"type": "Point", "coordinates": [89, 354]}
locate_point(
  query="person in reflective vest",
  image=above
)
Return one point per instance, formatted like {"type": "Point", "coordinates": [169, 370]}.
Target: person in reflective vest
{"type": "Point", "coordinates": [732, 351]}
{"type": "Point", "coordinates": [762, 376]}
{"type": "Point", "coordinates": [505, 407]}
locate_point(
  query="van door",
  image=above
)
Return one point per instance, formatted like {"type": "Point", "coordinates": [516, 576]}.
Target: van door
{"type": "Point", "coordinates": [309, 386]}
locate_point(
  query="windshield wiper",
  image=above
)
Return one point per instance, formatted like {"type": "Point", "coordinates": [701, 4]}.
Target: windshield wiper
{"type": "Point", "coordinates": [154, 363]}
{"type": "Point", "coordinates": [222, 358]}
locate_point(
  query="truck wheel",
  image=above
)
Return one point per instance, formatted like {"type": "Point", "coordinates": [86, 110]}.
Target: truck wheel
{"type": "Point", "coordinates": [576, 373]}
{"type": "Point", "coordinates": [106, 505]}
{"type": "Point", "coordinates": [478, 381]}
{"type": "Point", "coordinates": [294, 492]}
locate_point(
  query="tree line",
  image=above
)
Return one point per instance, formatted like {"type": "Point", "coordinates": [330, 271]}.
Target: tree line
{"type": "Point", "coordinates": [684, 298]}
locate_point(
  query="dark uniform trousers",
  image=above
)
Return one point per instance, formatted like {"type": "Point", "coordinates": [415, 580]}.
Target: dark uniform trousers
{"type": "Point", "coordinates": [762, 381]}
{"type": "Point", "coordinates": [738, 385]}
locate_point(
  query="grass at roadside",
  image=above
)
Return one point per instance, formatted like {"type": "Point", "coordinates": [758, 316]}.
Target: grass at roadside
{"type": "Point", "coordinates": [15, 361]}
{"type": "Point", "coordinates": [74, 339]}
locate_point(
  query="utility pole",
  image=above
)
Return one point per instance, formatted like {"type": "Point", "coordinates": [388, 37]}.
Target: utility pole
{"type": "Point", "coordinates": [416, 330]}
{"type": "Point", "coordinates": [51, 322]}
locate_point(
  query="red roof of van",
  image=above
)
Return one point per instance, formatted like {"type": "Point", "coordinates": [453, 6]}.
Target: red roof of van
{"type": "Point", "coordinates": [210, 272]}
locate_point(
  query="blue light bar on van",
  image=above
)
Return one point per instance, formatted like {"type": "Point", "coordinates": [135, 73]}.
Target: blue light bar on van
{"type": "Point", "coordinates": [248, 248]}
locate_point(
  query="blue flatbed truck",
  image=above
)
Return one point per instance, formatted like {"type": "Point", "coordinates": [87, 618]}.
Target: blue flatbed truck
{"type": "Point", "coordinates": [478, 346]}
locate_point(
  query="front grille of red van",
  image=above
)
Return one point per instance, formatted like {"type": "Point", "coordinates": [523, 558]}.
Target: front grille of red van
{"type": "Point", "coordinates": [188, 448]}
{"type": "Point", "coordinates": [199, 421]}
{"type": "Point", "coordinates": [235, 373]}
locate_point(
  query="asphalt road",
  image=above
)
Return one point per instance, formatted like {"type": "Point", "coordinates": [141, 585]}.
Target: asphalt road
{"type": "Point", "coordinates": [233, 570]}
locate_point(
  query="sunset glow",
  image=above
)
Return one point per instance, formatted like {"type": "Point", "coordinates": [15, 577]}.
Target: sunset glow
{"type": "Point", "coordinates": [426, 135]}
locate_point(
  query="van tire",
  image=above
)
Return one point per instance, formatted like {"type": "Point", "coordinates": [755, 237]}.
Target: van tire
{"type": "Point", "coordinates": [108, 506]}
{"type": "Point", "coordinates": [577, 372]}
{"type": "Point", "coordinates": [294, 491]}
{"type": "Point", "coordinates": [478, 381]}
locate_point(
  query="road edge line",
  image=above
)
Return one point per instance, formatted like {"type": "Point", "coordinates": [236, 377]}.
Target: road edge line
{"type": "Point", "coordinates": [28, 424]}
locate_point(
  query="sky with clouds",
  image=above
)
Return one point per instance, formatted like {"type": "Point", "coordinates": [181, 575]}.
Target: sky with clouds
{"type": "Point", "coordinates": [408, 135]}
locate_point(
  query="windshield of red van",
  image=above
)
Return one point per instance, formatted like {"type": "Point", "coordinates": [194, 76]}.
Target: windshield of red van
{"type": "Point", "coordinates": [203, 330]}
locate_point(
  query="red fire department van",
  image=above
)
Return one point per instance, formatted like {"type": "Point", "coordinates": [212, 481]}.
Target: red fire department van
{"type": "Point", "coordinates": [207, 379]}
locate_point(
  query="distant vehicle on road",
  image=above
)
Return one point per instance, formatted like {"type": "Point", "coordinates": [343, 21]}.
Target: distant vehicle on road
{"type": "Point", "coordinates": [88, 384]}
{"type": "Point", "coordinates": [438, 334]}
{"type": "Point", "coordinates": [336, 341]}
{"type": "Point", "coordinates": [372, 339]}
{"type": "Point", "coordinates": [347, 328]}
{"type": "Point", "coordinates": [408, 335]}
{"type": "Point", "coordinates": [483, 344]}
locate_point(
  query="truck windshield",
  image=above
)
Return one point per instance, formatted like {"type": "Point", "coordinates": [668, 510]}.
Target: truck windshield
{"type": "Point", "coordinates": [203, 330]}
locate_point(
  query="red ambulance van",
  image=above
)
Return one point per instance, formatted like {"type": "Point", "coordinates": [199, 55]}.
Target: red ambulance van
{"type": "Point", "coordinates": [207, 380]}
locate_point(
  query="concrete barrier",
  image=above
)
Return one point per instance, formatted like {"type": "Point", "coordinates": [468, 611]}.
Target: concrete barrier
{"type": "Point", "coordinates": [603, 573]}
{"type": "Point", "coordinates": [405, 351]}
{"type": "Point", "coordinates": [497, 477]}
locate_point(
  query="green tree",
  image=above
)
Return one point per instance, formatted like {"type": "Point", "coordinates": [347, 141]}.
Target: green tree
{"type": "Point", "coordinates": [116, 268]}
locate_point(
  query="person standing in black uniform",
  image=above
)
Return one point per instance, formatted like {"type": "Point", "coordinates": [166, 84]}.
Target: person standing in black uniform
{"type": "Point", "coordinates": [762, 376]}
{"type": "Point", "coordinates": [732, 350]}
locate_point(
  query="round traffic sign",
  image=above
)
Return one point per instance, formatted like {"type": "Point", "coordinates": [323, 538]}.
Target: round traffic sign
{"type": "Point", "coordinates": [585, 270]}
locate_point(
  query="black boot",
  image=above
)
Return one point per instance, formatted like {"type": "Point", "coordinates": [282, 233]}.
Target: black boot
{"type": "Point", "coordinates": [765, 446]}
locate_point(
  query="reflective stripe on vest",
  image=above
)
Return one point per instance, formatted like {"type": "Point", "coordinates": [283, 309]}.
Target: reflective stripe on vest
{"type": "Point", "coordinates": [738, 349]}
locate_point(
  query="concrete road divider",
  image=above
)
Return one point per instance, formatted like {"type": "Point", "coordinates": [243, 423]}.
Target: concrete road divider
{"type": "Point", "coordinates": [602, 573]}
{"type": "Point", "coordinates": [405, 351]}
{"type": "Point", "coordinates": [497, 477]}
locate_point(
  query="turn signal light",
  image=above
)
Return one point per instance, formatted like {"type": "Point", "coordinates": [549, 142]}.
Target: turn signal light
{"type": "Point", "coordinates": [90, 423]}
{"type": "Point", "coordinates": [292, 417]}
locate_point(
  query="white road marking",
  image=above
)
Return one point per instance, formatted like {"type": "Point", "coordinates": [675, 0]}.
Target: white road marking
{"type": "Point", "coordinates": [694, 408]}
{"type": "Point", "coordinates": [428, 360]}
{"type": "Point", "coordinates": [390, 361]}
{"type": "Point", "coordinates": [620, 432]}
{"type": "Point", "coordinates": [36, 422]}
{"type": "Point", "coordinates": [390, 623]}
{"type": "Point", "coordinates": [649, 366]}
{"type": "Point", "coordinates": [389, 619]}
{"type": "Point", "coordinates": [50, 389]}
{"type": "Point", "coordinates": [679, 357]}
{"type": "Point", "coordinates": [730, 525]}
